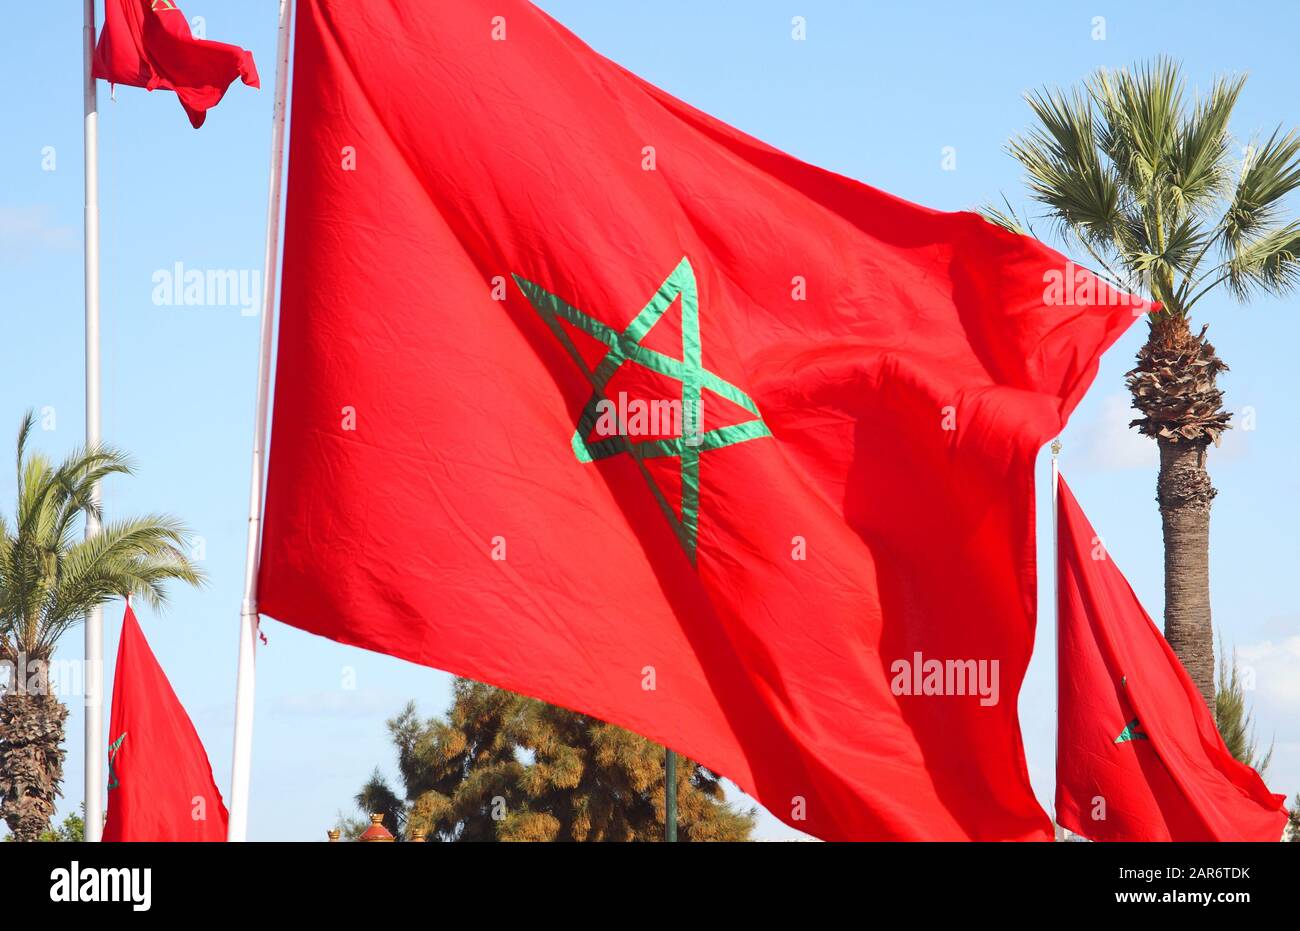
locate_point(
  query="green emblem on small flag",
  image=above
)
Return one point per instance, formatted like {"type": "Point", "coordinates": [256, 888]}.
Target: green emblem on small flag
{"type": "Point", "coordinates": [112, 756]}
{"type": "Point", "coordinates": [1130, 732]}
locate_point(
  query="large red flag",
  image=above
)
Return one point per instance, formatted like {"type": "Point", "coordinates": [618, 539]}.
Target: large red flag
{"type": "Point", "coordinates": [148, 43]}
{"type": "Point", "coordinates": [1139, 757]}
{"type": "Point", "coordinates": [504, 254]}
{"type": "Point", "coordinates": [160, 785]}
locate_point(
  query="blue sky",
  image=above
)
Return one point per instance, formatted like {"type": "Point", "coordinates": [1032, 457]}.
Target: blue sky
{"type": "Point", "coordinates": [876, 91]}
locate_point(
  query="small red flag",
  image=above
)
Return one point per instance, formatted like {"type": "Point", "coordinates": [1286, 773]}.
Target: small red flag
{"type": "Point", "coordinates": [148, 43]}
{"type": "Point", "coordinates": [586, 394]}
{"type": "Point", "coordinates": [160, 785]}
{"type": "Point", "coordinates": [1139, 757]}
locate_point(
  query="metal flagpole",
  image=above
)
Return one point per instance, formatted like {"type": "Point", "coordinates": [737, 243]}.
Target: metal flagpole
{"type": "Point", "coordinates": [94, 659]}
{"type": "Point", "coordinates": [670, 795]}
{"type": "Point", "coordinates": [241, 767]}
{"type": "Point", "coordinates": [1056, 622]}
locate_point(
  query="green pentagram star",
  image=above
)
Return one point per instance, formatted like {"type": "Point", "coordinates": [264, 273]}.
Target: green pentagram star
{"type": "Point", "coordinates": [626, 346]}
{"type": "Point", "coordinates": [1130, 732]}
{"type": "Point", "coordinates": [112, 758]}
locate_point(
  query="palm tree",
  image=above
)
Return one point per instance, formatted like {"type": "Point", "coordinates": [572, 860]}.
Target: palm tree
{"type": "Point", "coordinates": [50, 579]}
{"type": "Point", "coordinates": [1147, 183]}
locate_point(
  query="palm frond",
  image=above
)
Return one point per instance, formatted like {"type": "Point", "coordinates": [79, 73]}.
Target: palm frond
{"type": "Point", "coordinates": [1200, 169]}
{"type": "Point", "coordinates": [123, 553]}
{"type": "Point", "coordinates": [1061, 156]}
{"type": "Point", "coordinates": [1141, 119]}
{"type": "Point", "coordinates": [1268, 263]}
{"type": "Point", "coordinates": [77, 478]}
{"type": "Point", "coordinates": [24, 432]}
{"type": "Point", "coordinates": [37, 491]}
{"type": "Point", "coordinates": [1007, 219]}
{"type": "Point", "coordinates": [1269, 173]}
{"type": "Point", "coordinates": [50, 579]}
{"type": "Point", "coordinates": [1181, 248]}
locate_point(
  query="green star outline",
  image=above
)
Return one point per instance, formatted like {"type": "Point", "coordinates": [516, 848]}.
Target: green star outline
{"type": "Point", "coordinates": [626, 346]}
{"type": "Point", "coordinates": [113, 781]}
{"type": "Point", "coordinates": [1130, 732]}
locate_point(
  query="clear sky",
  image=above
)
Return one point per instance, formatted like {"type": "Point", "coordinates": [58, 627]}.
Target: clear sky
{"type": "Point", "coordinates": [876, 91]}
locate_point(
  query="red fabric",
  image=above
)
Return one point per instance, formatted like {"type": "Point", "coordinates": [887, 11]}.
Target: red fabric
{"type": "Point", "coordinates": [147, 43]}
{"type": "Point", "coordinates": [423, 427]}
{"type": "Point", "coordinates": [1168, 777]}
{"type": "Point", "coordinates": [160, 785]}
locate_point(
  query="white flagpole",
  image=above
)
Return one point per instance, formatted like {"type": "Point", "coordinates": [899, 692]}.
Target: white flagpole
{"type": "Point", "coordinates": [94, 660]}
{"type": "Point", "coordinates": [1056, 621]}
{"type": "Point", "coordinates": [241, 769]}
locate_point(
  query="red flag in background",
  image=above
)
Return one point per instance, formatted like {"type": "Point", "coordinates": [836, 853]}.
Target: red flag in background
{"type": "Point", "coordinates": [147, 43]}
{"type": "Point", "coordinates": [1139, 757]}
{"type": "Point", "coordinates": [527, 239]}
{"type": "Point", "coordinates": [160, 785]}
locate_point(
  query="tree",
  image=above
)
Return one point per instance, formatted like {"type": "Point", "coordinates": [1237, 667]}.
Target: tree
{"type": "Point", "coordinates": [1147, 183]}
{"type": "Point", "coordinates": [50, 579]}
{"type": "Point", "coordinates": [499, 766]}
{"type": "Point", "coordinates": [1293, 821]}
{"type": "Point", "coordinates": [71, 831]}
{"type": "Point", "coordinates": [1234, 720]}
{"type": "Point", "coordinates": [376, 798]}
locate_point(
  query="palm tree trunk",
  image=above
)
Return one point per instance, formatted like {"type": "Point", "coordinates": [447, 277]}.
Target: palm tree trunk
{"type": "Point", "coordinates": [31, 752]}
{"type": "Point", "coordinates": [1175, 387]}
{"type": "Point", "coordinates": [1184, 492]}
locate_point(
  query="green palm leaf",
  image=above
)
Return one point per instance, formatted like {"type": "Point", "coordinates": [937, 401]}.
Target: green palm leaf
{"type": "Point", "coordinates": [1269, 173]}
{"type": "Point", "coordinates": [50, 578]}
{"type": "Point", "coordinates": [1145, 180]}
